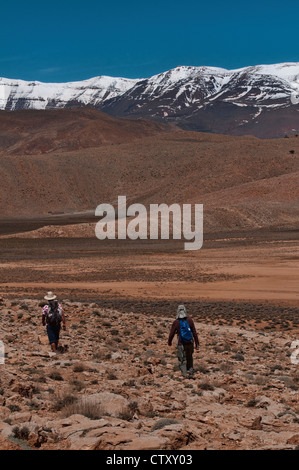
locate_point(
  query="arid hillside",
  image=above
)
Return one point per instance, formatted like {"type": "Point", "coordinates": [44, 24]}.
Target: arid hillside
{"type": "Point", "coordinates": [67, 161]}
{"type": "Point", "coordinates": [31, 132]}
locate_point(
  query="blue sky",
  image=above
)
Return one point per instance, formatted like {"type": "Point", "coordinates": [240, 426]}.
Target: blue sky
{"type": "Point", "coordinates": [71, 40]}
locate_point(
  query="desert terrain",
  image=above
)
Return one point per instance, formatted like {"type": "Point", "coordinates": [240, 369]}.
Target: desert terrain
{"type": "Point", "coordinates": [115, 383]}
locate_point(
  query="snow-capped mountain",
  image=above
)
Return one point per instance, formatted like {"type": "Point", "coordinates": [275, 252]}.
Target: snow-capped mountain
{"type": "Point", "coordinates": [251, 100]}
{"type": "Point", "coordinates": [19, 94]}
{"type": "Point", "coordinates": [261, 100]}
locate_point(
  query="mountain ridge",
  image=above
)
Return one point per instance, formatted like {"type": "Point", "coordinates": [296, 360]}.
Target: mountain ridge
{"type": "Point", "coordinates": [254, 100]}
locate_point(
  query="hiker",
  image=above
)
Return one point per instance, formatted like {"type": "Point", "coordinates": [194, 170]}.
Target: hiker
{"type": "Point", "coordinates": [184, 327]}
{"type": "Point", "coordinates": [53, 316]}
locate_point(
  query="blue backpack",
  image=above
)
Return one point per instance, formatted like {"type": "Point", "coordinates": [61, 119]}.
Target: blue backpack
{"type": "Point", "coordinates": [185, 331]}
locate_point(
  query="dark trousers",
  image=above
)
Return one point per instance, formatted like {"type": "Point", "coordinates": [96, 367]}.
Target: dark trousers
{"type": "Point", "coordinates": [185, 357]}
{"type": "Point", "coordinates": [53, 333]}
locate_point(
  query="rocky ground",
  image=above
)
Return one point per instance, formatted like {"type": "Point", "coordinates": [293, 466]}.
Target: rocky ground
{"type": "Point", "coordinates": [115, 383]}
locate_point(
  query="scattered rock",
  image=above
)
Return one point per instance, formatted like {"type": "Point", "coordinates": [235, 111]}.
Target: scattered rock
{"type": "Point", "coordinates": [136, 396]}
{"type": "Point", "coordinates": [257, 424]}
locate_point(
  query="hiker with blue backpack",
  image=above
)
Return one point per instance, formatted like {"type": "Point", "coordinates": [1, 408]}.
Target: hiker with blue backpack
{"type": "Point", "coordinates": [184, 327]}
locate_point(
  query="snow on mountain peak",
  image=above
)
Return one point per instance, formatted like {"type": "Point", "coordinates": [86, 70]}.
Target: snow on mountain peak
{"type": "Point", "coordinates": [191, 83]}
{"type": "Point", "coordinates": [16, 94]}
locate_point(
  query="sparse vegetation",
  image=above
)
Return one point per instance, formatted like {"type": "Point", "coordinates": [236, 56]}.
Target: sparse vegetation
{"type": "Point", "coordinates": [206, 386]}
{"type": "Point", "coordinates": [85, 407]}
{"type": "Point", "coordinates": [146, 383]}
{"type": "Point", "coordinates": [62, 401]}
{"type": "Point", "coordinates": [14, 408]}
{"type": "Point", "coordinates": [79, 368]}
{"type": "Point", "coordinates": [21, 432]}
{"type": "Point", "coordinates": [162, 423]}
{"type": "Point", "coordinates": [56, 375]}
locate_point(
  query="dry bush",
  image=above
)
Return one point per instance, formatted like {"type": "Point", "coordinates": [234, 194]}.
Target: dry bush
{"type": "Point", "coordinates": [85, 407]}
{"type": "Point", "coordinates": [55, 375]}
{"type": "Point", "coordinates": [227, 367]}
{"type": "Point", "coordinates": [21, 433]}
{"type": "Point", "coordinates": [63, 400]}
{"type": "Point", "coordinates": [161, 423]}
{"type": "Point", "coordinates": [79, 367]}
{"type": "Point", "coordinates": [260, 380]}
{"type": "Point", "coordinates": [206, 386]}
{"type": "Point", "coordinates": [202, 368]}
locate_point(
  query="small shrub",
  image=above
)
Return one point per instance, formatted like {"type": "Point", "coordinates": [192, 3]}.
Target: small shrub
{"type": "Point", "coordinates": [202, 369]}
{"type": "Point", "coordinates": [79, 368]}
{"type": "Point", "coordinates": [260, 380]}
{"type": "Point", "coordinates": [78, 386]}
{"type": "Point", "coordinates": [206, 386]}
{"type": "Point", "coordinates": [161, 423]}
{"type": "Point", "coordinates": [251, 403]}
{"type": "Point", "coordinates": [42, 379]}
{"type": "Point", "coordinates": [21, 433]}
{"type": "Point", "coordinates": [226, 367]}
{"type": "Point", "coordinates": [14, 408]}
{"type": "Point", "coordinates": [96, 313]}
{"type": "Point", "coordinates": [238, 357]}
{"type": "Point", "coordinates": [126, 414]}
{"type": "Point", "coordinates": [88, 408]}
{"type": "Point", "coordinates": [98, 356]}
{"type": "Point", "coordinates": [63, 401]}
{"type": "Point", "coordinates": [288, 381]}
{"type": "Point", "coordinates": [111, 376]}
{"type": "Point", "coordinates": [24, 306]}
{"type": "Point", "coordinates": [130, 383]}
{"type": "Point", "coordinates": [33, 405]}
{"type": "Point", "coordinates": [276, 367]}
{"type": "Point", "coordinates": [55, 375]}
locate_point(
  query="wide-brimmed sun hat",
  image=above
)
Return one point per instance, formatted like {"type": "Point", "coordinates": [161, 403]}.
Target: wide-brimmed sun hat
{"type": "Point", "coordinates": [181, 312]}
{"type": "Point", "coordinates": [50, 296]}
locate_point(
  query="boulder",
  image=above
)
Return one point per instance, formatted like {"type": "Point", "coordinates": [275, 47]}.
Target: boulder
{"type": "Point", "coordinates": [111, 403]}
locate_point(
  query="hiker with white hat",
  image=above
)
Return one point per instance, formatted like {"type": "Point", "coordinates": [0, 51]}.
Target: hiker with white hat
{"type": "Point", "coordinates": [53, 316]}
{"type": "Point", "coordinates": [184, 327]}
